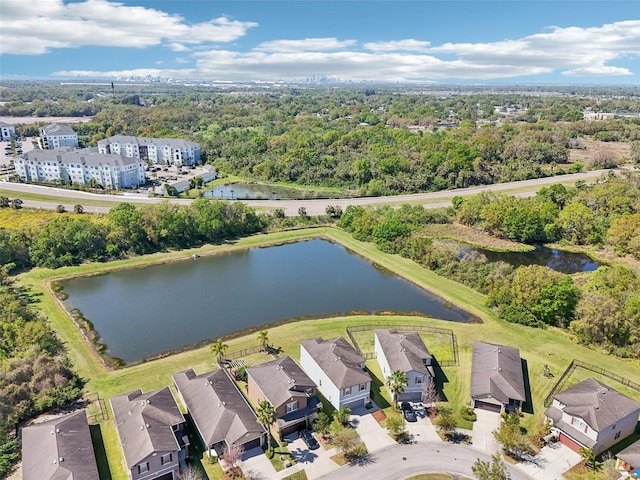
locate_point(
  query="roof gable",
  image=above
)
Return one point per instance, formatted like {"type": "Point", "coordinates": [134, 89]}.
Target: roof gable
{"type": "Point", "coordinates": [599, 405]}
{"type": "Point", "coordinates": [404, 351]}
{"type": "Point", "coordinates": [144, 422]}
{"type": "Point", "coordinates": [496, 370]}
{"type": "Point", "coordinates": [279, 379]}
{"type": "Point", "coordinates": [59, 449]}
{"type": "Point", "coordinates": [218, 409]}
{"type": "Point", "coordinates": [338, 359]}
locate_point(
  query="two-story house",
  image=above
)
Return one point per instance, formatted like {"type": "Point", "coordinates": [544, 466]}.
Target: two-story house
{"type": "Point", "coordinates": [59, 449]}
{"type": "Point", "coordinates": [592, 415]}
{"type": "Point", "coordinates": [151, 431]}
{"type": "Point", "coordinates": [338, 370]}
{"type": "Point", "coordinates": [497, 378]}
{"type": "Point", "coordinates": [291, 392]}
{"type": "Point", "coordinates": [405, 352]}
{"type": "Point", "coordinates": [220, 413]}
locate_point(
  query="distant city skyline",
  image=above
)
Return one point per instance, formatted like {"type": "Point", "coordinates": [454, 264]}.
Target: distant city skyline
{"type": "Point", "coordinates": [562, 41]}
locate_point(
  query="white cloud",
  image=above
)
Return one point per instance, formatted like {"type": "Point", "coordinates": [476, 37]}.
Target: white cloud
{"type": "Point", "coordinates": [304, 45]}
{"type": "Point", "coordinates": [573, 51]}
{"type": "Point", "coordinates": [34, 28]}
{"type": "Point", "coordinates": [407, 45]}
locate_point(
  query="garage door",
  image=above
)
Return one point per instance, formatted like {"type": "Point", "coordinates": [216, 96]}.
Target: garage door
{"type": "Point", "coordinates": [252, 444]}
{"type": "Point", "coordinates": [569, 442]}
{"type": "Point", "coordinates": [166, 476]}
{"type": "Point", "coordinates": [492, 407]}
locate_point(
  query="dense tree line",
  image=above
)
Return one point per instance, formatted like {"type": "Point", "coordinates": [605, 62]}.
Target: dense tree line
{"type": "Point", "coordinates": [349, 138]}
{"type": "Point", "coordinates": [35, 374]}
{"type": "Point", "coordinates": [126, 230]}
{"type": "Point", "coordinates": [604, 310]}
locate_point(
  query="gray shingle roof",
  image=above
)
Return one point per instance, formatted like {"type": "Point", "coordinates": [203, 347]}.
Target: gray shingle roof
{"type": "Point", "coordinates": [338, 359]}
{"type": "Point", "coordinates": [59, 449]}
{"type": "Point", "coordinates": [56, 129]}
{"type": "Point", "coordinates": [597, 404]}
{"type": "Point", "coordinates": [496, 370]}
{"type": "Point", "coordinates": [144, 422]}
{"type": "Point", "coordinates": [404, 351]}
{"type": "Point", "coordinates": [87, 156]}
{"type": "Point", "coordinates": [217, 408]}
{"type": "Point", "coordinates": [280, 379]}
{"type": "Point", "coordinates": [158, 142]}
{"type": "Point", "coordinates": [5, 124]}
{"type": "Point", "coordinates": [631, 454]}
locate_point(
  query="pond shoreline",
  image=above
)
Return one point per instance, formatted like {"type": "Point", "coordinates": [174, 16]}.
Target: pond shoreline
{"type": "Point", "coordinates": [93, 339]}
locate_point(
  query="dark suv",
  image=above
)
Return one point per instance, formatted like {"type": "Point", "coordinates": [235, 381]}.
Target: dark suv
{"type": "Point", "coordinates": [408, 413]}
{"type": "Point", "coordinates": [309, 439]}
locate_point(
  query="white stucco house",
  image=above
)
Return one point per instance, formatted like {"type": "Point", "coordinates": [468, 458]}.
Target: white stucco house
{"type": "Point", "coordinates": [592, 415]}
{"type": "Point", "coordinates": [338, 370]}
{"type": "Point", "coordinates": [406, 352]}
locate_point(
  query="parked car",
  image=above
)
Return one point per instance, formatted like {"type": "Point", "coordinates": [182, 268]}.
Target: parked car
{"type": "Point", "coordinates": [408, 413]}
{"type": "Point", "coordinates": [309, 439]}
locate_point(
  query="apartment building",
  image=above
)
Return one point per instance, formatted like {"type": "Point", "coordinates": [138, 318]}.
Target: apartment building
{"type": "Point", "coordinates": [55, 136]}
{"type": "Point", "coordinates": [80, 166]}
{"type": "Point", "coordinates": [169, 151]}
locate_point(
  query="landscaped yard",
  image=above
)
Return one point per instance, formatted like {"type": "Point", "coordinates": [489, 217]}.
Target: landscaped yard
{"type": "Point", "coordinates": [551, 347]}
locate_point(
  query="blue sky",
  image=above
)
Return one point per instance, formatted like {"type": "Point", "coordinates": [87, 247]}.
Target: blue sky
{"type": "Point", "coordinates": [552, 41]}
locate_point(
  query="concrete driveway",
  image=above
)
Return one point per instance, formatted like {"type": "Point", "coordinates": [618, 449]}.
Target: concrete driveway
{"type": "Point", "coordinates": [482, 436]}
{"type": "Point", "coordinates": [552, 461]}
{"type": "Point", "coordinates": [371, 433]}
{"type": "Point", "coordinates": [315, 463]}
{"type": "Point", "coordinates": [422, 430]}
{"type": "Point", "coordinates": [256, 465]}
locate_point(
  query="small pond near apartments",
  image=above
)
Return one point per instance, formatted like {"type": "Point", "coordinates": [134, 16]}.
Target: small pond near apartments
{"type": "Point", "coordinates": [140, 313]}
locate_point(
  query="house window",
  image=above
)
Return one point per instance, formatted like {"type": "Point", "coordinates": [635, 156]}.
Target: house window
{"type": "Point", "coordinates": [617, 435]}
{"type": "Point", "coordinates": [166, 458]}
{"type": "Point", "coordinates": [419, 379]}
{"type": "Point", "coordinates": [346, 391]}
{"type": "Point", "coordinates": [143, 467]}
{"type": "Point", "coordinates": [363, 386]}
{"type": "Point", "coordinates": [579, 424]}
{"type": "Point", "coordinates": [292, 407]}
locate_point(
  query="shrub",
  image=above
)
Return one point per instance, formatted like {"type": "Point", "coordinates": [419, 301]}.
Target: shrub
{"type": "Point", "coordinates": [468, 413]}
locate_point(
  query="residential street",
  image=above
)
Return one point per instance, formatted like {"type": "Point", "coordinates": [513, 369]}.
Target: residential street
{"type": "Point", "coordinates": [405, 460]}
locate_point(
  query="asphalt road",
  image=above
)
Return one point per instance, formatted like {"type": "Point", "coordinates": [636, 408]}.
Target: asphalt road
{"type": "Point", "coordinates": [313, 207]}
{"type": "Point", "coordinates": [402, 461]}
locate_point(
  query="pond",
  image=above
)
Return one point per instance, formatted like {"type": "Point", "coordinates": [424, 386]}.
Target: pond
{"type": "Point", "coordinates": [144, 312]}
{"type": "Point", "coordinates": [255, 191]}
{"type": "Point", "coordinates": [558, 260]}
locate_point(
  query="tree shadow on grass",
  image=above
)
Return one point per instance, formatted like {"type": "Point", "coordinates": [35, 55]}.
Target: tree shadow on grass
{"type": "Point", "coordinates": [101, 454]}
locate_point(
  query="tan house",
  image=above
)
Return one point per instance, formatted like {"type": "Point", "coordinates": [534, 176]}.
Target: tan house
{"type": "Point", "coordinates": [291, 392]}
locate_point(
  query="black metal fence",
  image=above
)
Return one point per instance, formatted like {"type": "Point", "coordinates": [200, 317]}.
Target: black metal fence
{"type": "Point", "coordinates": [407, 328]}
{"type": "Point", "coordinates": [591, 368]}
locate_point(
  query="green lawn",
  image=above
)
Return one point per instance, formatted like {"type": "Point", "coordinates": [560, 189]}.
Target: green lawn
{"type": "Point", "coordinates": [552, 347]}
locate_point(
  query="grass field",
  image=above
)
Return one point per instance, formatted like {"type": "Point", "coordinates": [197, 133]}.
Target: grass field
{"type": "Point", "coordinates": [551, 347]}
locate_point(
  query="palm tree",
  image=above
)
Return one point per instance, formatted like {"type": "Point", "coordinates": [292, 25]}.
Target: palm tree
{"type": "Point", "coordinates": [263, 339]}
{"type": "Point", "coordinates": [266, 417]}
{"type": "Point", "coordinates": [396, 383]}
{"type": "Point", "coordinates": [218, 348]}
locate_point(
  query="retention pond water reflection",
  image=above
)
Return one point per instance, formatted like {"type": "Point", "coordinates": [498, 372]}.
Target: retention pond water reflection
{"type": "Point", "coordinates": [144, 312]}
